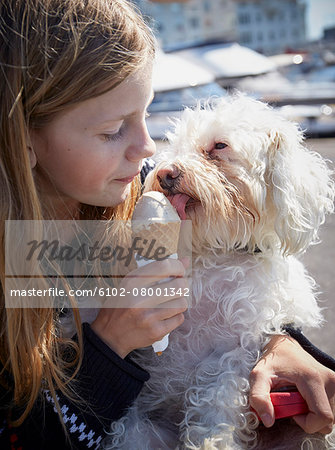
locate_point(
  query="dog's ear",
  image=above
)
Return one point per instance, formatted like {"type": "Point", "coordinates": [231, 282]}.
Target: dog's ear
{"type": "Point", "coordinates": [302, 189]}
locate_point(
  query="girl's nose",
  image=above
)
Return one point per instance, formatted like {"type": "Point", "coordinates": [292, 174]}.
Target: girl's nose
{"type": "Point", "coordinates": [143, 146]}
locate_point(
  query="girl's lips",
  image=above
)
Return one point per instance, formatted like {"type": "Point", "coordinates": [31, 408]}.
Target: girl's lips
{"type": "Point", "coordinates": [127, 179]}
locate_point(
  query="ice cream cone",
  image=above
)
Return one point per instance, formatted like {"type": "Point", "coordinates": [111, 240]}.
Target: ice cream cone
{"type": "Point", "coordinates": [156, 226]}
{"type": "Point", "coordinates": [158, 239]}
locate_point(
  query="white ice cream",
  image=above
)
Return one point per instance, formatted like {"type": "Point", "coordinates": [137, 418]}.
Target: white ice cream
{"type": "Point", "coordinates": [154, 205]}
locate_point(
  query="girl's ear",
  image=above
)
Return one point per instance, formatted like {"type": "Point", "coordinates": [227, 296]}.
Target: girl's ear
{"type": "Point", "coordinates": [31, 153]}
{"type": "Point", "coordinates": [32, 157]}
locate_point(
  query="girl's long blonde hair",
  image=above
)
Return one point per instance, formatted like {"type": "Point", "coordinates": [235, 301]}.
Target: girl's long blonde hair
{"type": "Point", "coordinates": [54, 53]}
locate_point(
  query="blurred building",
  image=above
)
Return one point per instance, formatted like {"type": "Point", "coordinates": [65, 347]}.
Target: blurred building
{"type": "Point", "coordinates": [268, 26]}
{"type": "Point", "coordinates": [185, 23]}
{"type": "Point", "coordinates": [271, 26]}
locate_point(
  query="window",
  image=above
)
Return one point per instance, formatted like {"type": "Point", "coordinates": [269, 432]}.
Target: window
{"type": "Point", "coordinates": [194, 22]}
{"type": "Point", "coordinates": [246, 37]}
{"type": "Point", "coordinates": [244, 18]}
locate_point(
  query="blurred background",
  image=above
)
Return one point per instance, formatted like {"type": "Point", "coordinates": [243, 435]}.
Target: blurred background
{"type": "Point", "coordinates": [278, 51]}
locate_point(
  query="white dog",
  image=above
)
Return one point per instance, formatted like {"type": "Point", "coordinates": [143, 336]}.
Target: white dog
{"type": "Point", "coordinates": [256, 197]}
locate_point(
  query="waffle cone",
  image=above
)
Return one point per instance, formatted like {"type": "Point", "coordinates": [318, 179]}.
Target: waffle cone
{"type": "Point", "coordinates": [159, 235]}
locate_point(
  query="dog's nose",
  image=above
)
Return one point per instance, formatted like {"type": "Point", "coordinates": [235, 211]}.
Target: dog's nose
{"type": "Point", "coordinates": [168, 177]}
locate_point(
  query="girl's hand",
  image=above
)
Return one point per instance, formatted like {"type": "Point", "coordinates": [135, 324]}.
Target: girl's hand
{"type": "Point", "coordinates": [286, 363]}
{"type": "Point", "coordinates": [145, 319]}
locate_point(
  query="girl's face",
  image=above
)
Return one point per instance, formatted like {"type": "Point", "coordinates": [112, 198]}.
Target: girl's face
{"type": "Point", "coordinates": [92, 152]}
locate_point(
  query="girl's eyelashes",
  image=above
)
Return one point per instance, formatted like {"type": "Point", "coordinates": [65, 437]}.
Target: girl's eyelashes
{"type": "Point", "coordinates": [110, 137]}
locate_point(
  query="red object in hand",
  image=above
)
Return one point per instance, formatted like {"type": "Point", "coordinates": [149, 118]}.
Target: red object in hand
{"type": "Point", "coordinates": [288, 404]}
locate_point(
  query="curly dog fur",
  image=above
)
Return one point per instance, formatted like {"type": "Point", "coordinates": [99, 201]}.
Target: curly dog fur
{"type": "Point", "coordinates": [256, 197]}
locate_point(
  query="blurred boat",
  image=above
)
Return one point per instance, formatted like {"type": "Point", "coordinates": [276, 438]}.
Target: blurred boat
{"type": "Point", "coordinates": [182, 78]}
{"type": "Point", "coordinates": [276, 89]}
{"type": "Point", "coordinates": [323, 74]}
{"type": "Point", "coordinates": [172, 72]}
{"type": "Point", "coordinates": [302, 92]}
{"type": "Point", "coordinates": [177, 83]}
{"type": "Point", "coordinates": [228, 62]}
{"type": "Point", "coordinates": [314, 120]}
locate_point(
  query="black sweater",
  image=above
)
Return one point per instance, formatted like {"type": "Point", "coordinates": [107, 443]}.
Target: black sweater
{"type": "Point", "coordinates": [107, 383]}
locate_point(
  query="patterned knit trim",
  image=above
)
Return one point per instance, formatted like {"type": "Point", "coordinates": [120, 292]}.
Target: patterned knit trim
{"type": "Point", "coordinates": [70, 420]}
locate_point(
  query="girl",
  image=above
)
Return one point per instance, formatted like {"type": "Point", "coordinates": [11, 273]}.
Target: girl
{"type": "Point", "coordinates": [75, 87]}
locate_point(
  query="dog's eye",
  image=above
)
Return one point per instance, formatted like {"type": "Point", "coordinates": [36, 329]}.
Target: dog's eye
{"type": "Point", "coordinates": [216, 152]}
{"type": "Point", "coordinates": [220, 146]}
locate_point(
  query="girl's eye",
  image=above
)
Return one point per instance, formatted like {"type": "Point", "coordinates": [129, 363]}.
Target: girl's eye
{"type": "Point", "coordinates": [114, 136]}
{"type": "Point", "coordinates": [220, 146]}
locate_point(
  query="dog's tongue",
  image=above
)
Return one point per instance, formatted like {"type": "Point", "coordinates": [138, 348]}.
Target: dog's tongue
{"type": "Point", "coordinates": [179, 201]}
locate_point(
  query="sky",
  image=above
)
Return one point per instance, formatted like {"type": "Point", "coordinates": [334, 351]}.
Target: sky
{"type": "Point", "coordinates": [320, 14]}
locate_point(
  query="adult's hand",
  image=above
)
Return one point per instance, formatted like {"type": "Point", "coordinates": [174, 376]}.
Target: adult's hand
{"type": "Point", "coordinates": [286, 363]}
{"type": "Point", "coordinates": [145, 318]}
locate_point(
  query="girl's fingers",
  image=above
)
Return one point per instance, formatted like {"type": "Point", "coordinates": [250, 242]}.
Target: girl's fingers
{"type": "Point", "coordinates": [154, 272]}
{"type": "Point", "coordinates": [314, 381]}
{"type": "Point", "coordinates": [320, 416]}
{"type": "Point", "coordinates": [171, 324]}
{"type": "Point", "coordinates": [172, 308]}
{"type": "Point", "coordinates": [260, 401]}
